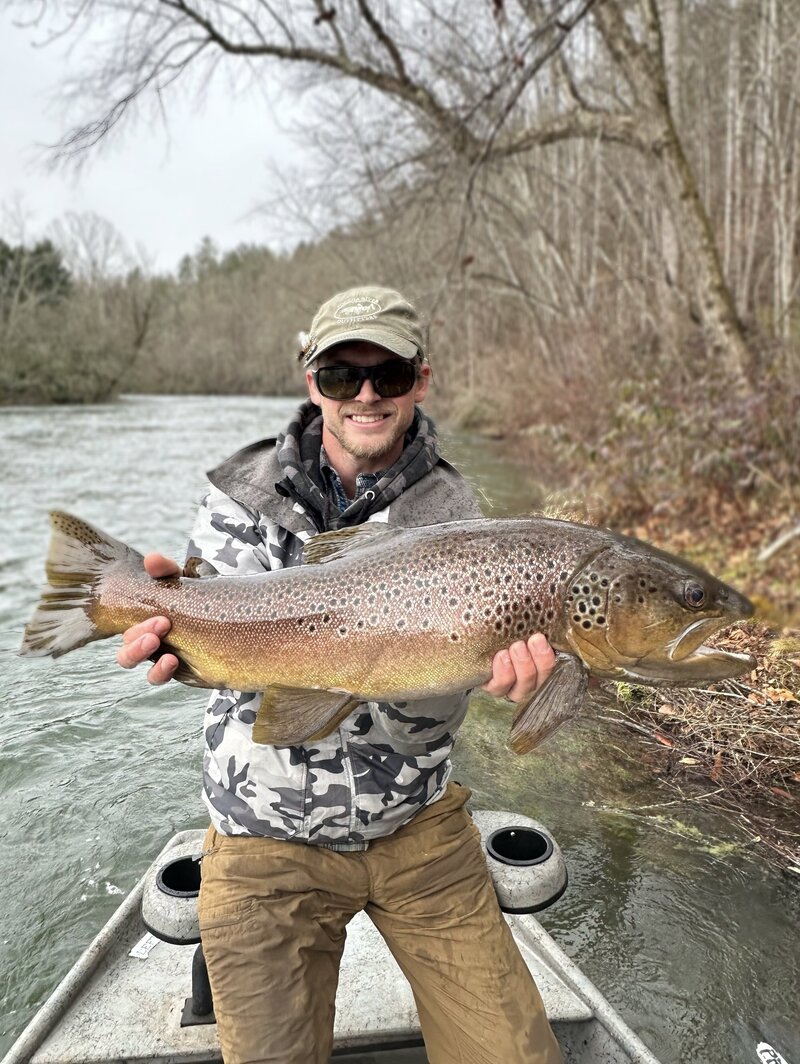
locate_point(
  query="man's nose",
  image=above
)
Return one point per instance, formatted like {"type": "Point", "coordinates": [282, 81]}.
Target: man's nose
{"type": "Point", "coordinates": [367, 393]}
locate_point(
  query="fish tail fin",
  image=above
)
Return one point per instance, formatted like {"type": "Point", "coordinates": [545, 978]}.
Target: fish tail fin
{"type": "Point", "coordinates": [77, 558]}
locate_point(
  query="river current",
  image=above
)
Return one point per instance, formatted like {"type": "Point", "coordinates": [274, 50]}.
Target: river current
{"type": "Point", "coordinates": [695, 943]}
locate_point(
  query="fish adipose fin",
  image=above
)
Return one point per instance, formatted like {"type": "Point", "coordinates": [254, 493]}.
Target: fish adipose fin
{"type": "Point", "coordinates": [557, 701]}
{"type": "Point", "coordinates": [78, 556]}
{"type": "Point", "coordinates": [291, 715]}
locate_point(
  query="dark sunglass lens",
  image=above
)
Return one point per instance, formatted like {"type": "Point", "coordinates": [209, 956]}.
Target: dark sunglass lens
{"type": "Point", "coordinates": [394, 378]}
{"type": "Point", "coordinates": [339, 382]}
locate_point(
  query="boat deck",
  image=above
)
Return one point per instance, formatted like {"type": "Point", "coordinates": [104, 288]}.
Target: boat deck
{"type": "Point", "coordinates": [114, 1006]}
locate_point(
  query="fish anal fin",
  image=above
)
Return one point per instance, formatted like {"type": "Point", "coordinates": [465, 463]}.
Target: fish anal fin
{"type": "Point", "coordinates": [557, 701]}
{"type": "Point", "coordinates": [288, 716]}
{"type": "Point", "coordinates": [185, 673]}
{"type": "Point", "coordinates": [343, 541]}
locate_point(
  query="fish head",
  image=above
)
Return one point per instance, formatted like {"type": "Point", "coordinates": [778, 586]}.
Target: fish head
{"type": "Point", "coordinates": [635, 611]}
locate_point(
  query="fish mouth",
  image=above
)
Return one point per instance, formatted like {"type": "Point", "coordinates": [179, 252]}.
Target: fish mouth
{"type": "Point", "coordinates": [704, 665]}
{"type": "Point", "coordinates": [692, 637]}
{"type": "Point", "coordinates": [689, 661]}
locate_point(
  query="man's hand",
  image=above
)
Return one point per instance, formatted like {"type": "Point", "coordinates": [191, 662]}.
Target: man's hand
{"type": "Point", "coordinates": [522, 669]}
{"type": "Point", "coordinates": [144, 639]}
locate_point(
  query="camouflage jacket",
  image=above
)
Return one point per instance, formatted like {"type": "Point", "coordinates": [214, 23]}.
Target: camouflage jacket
{"type": "Point", "coordinates": [382, 764]}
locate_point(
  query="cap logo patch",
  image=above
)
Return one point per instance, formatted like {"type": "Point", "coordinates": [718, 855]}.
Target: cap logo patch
{"type": "Point", "coordinates": [358, 309]}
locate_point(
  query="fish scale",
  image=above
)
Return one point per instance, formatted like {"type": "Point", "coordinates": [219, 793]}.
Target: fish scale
{"type": "Point", "coordinates": [383, 615]}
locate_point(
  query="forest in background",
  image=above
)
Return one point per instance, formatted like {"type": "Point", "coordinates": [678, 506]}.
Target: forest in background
{"type": "Point", "coordinates": [597, 205]}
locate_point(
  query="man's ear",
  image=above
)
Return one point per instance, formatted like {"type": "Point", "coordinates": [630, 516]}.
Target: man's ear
{"type": "Point", "coordinates": [313, 391]}
{"type": "Point", "coordinates": [423, 383]}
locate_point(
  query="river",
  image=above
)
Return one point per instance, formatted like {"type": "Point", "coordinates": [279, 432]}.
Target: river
{"type": "Point", "coordinates": [696, 945]}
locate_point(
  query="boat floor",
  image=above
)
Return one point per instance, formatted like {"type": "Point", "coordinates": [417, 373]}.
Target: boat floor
{"type": "Point", "coordinates": [114, 1006]}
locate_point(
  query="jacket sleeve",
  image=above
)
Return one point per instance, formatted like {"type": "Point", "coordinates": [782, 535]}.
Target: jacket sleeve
{"type": "Point", "coordinates": [228, 536]}
{"type": "Point", "coordinates": [410, 726]}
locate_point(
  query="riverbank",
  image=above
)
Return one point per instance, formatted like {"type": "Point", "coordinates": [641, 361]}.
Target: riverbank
{"type": "Point", "coordinates": [721, 489]}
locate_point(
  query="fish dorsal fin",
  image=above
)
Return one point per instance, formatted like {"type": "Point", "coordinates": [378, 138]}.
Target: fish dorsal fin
{"type": "Point", "coordinates": [197, 568]}
{"type": "Point", "coordinates": [343, 541]}
{"type": "Point", "coordinates": [557, 701]}
{"type": "Point", "coordinates": [288, 716]}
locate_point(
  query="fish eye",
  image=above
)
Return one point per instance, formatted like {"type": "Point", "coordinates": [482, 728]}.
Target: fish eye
{"type": "Point", "coordinates": [694, 595]}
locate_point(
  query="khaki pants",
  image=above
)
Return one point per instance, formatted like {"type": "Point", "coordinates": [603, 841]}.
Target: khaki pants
{"type": "Point", "coordinates": [273, 916]}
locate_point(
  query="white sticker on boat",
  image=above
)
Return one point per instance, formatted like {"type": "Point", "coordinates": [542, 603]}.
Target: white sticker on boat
{"type": "Point", "coordinates": [768, 1055]}
{"type": "Point", "coordinates": [144, 946]}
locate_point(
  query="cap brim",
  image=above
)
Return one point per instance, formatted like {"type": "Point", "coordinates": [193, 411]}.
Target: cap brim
{"type": "Point", "coordinates": [398, 345]}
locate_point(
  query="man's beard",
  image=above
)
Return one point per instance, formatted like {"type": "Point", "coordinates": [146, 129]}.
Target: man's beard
{"type": "Point", "coordinates": [366, 448]}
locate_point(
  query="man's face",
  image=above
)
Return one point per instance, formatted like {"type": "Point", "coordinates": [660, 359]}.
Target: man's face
{"type": "Point", "coordinates": [367, 427]}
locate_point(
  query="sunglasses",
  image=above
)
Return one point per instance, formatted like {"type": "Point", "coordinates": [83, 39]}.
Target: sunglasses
{"type": "Point", "coordinates": [389, 379]}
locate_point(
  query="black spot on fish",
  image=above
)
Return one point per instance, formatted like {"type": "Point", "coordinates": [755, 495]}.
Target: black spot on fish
{"type": "Point", "coordinates": [601, 620]}
{"type": "Point", "coordinates": [595, 600]}
{"type": "Point", "coordinates": [587, 624]}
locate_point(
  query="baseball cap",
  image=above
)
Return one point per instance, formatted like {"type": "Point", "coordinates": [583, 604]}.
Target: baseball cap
{"type": "Point", "coordinates": [377, 315]}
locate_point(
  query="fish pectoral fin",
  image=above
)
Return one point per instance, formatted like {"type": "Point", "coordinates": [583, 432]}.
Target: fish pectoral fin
{"type": "Point", "coordinates": [557, 701]}
{"type": "Point", "coordinates": [291, 715]}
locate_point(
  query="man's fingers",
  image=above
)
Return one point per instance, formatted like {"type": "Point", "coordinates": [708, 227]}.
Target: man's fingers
{"type": "Point", "coordinates": [158, 566]}
{"type": "Point", "coordinates": [158, 626]}
{"type": "Point", "coordinates": [503, 675]}
{"type": "Point", "coordinates": [526, 674]}
{"type": "Point", "coordinates": [543, 655]}
{"type": "Point", "coordinates": [132, 654]}
{"type": "Point", "coordinates": [522, 669]}
{"type": "Point", "coordinates": [163, 670]}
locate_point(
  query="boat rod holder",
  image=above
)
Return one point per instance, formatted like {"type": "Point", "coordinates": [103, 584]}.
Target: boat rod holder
{"type": "Point", "coordinates": [169, 911]}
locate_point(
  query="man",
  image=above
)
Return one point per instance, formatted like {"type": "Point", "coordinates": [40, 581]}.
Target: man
{"type": "Point", "coordinates": [303, 837]}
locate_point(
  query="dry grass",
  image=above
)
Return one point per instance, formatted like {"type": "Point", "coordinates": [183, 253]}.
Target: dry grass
{"type": "Point", "coordinates": [735, 745]}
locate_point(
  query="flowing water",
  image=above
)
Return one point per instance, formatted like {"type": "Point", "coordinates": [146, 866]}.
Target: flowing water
{"type": "Point", "coordinates": [696, 946]}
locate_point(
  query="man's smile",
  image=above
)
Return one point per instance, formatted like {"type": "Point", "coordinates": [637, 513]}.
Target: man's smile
{"type": "Point", "coordinates": [366, 419]}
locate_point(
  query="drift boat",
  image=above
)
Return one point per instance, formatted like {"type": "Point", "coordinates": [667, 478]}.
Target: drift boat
{"type": "Point", "coordinates": [139, 994]}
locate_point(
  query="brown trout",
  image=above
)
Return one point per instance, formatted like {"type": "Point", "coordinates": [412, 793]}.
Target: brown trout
{"type": "Point", "coordinates": [391, 614]}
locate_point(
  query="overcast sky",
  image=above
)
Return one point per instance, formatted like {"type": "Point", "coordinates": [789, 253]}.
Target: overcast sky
{"type": "Point", "coordinates": [162, 190]}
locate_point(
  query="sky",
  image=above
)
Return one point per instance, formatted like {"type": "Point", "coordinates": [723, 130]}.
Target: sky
{"type": "Point", "coordinates": [163, 190]}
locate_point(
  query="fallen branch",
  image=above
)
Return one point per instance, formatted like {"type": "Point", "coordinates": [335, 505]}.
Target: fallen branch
{"type": "Point", "coordinates": [778, 544]}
